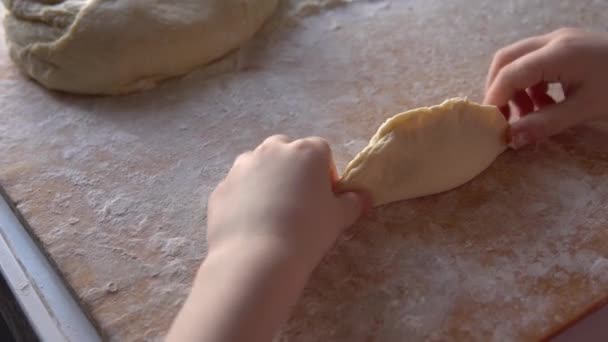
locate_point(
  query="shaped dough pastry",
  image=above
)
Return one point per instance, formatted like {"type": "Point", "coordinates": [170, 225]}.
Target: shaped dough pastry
{"type": "Point", "coordinates": [120, 46]}
{"type": "Point", "coordinates": [427, 150]}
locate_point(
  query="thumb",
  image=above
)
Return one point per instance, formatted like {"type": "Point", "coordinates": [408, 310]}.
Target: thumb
{"type": "Point", "coordinates": [351, 205]}
{"type": "Point", "coordinates": [544, 123]}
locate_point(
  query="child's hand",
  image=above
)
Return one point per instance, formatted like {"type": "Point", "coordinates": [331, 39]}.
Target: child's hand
{"type": "Point", "coordinates": [270, 222]}
{"type": "Point", "coordinates": [520, 72]}
{"type": "Point", "coordinates": [280, 196]}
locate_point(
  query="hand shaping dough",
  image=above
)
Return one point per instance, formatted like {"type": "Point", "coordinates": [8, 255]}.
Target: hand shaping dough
{"type": "Point", "coordinates": [120, 46]}
{"type": "Point", "coordinates": [427, 150]}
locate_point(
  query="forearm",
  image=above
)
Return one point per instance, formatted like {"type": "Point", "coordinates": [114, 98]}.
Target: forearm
{"type": "Point", "coordinates": [240, 294]}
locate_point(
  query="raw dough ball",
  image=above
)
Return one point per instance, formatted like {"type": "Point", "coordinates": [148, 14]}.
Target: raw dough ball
{"type": "Point", "coordinates": [427, 150]}
{"type": "Point", "coordinates": [120, 46]}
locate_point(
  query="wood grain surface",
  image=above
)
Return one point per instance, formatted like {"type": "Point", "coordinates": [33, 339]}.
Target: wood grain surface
{"type": "Point", "coordinates": [114, 188]}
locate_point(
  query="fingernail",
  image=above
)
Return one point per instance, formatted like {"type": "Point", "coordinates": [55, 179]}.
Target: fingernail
{"type": "Point", "coordinates": [519, 140]}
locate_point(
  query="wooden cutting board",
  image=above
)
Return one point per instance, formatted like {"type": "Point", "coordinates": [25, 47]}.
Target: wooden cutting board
{"type": "Point", "coordinates": [113, 188]}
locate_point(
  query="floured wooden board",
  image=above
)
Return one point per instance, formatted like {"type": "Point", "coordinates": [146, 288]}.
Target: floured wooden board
{"type": "Point", "coordinates": [113, 187]}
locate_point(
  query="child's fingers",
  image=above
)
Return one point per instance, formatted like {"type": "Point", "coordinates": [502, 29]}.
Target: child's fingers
{"type": "Point", "coordinates": [544, 123]}
{"type": "Point", "coordinates": [538, 94]}
{"type": "Point", "coordinates": [512, 52]}
{"type": "Point", "coordinates": [320, 149]}
{"type": "Point", "coordinates": [540, 87]}
{"type": "Point", "coordinates": [543, 64]}
{"type": "Point", "coordinates": [351, 205]}
{"type": "Point", "coordinates": [333, 173]}
{"type": "Point", "coordinates": [524, 103]}
{"type": "Point", "coordinates": [242, 158]}
{"type": "Point", "coordinates": [276, 138]}
{"type": "Point", "coordinates": [315, 146]}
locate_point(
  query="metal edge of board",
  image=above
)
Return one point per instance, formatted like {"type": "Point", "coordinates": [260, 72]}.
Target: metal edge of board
{"type": "Point", "coordinates": [52, 311]}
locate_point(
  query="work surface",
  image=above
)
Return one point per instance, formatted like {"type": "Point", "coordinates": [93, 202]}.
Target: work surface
{"type": "Point", "coordinates": [114, 188]}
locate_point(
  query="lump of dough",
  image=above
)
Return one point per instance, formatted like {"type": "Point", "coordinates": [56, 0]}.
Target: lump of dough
{"type": "Point", "coordinates": [427, 150]}
{"type": "Point", "coordinates": [120, 46]}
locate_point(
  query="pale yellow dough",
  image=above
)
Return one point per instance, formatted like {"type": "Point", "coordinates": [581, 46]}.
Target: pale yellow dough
{"type": "Point", "coordinates": [120, 46]}
{"type": "Point", "coordinates": [427, 150]}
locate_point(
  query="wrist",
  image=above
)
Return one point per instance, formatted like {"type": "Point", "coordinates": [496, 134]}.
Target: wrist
{"type": "Point", "coordinates": [266, 253]}
{"type": "Point", "coordinates": [237, 283]}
